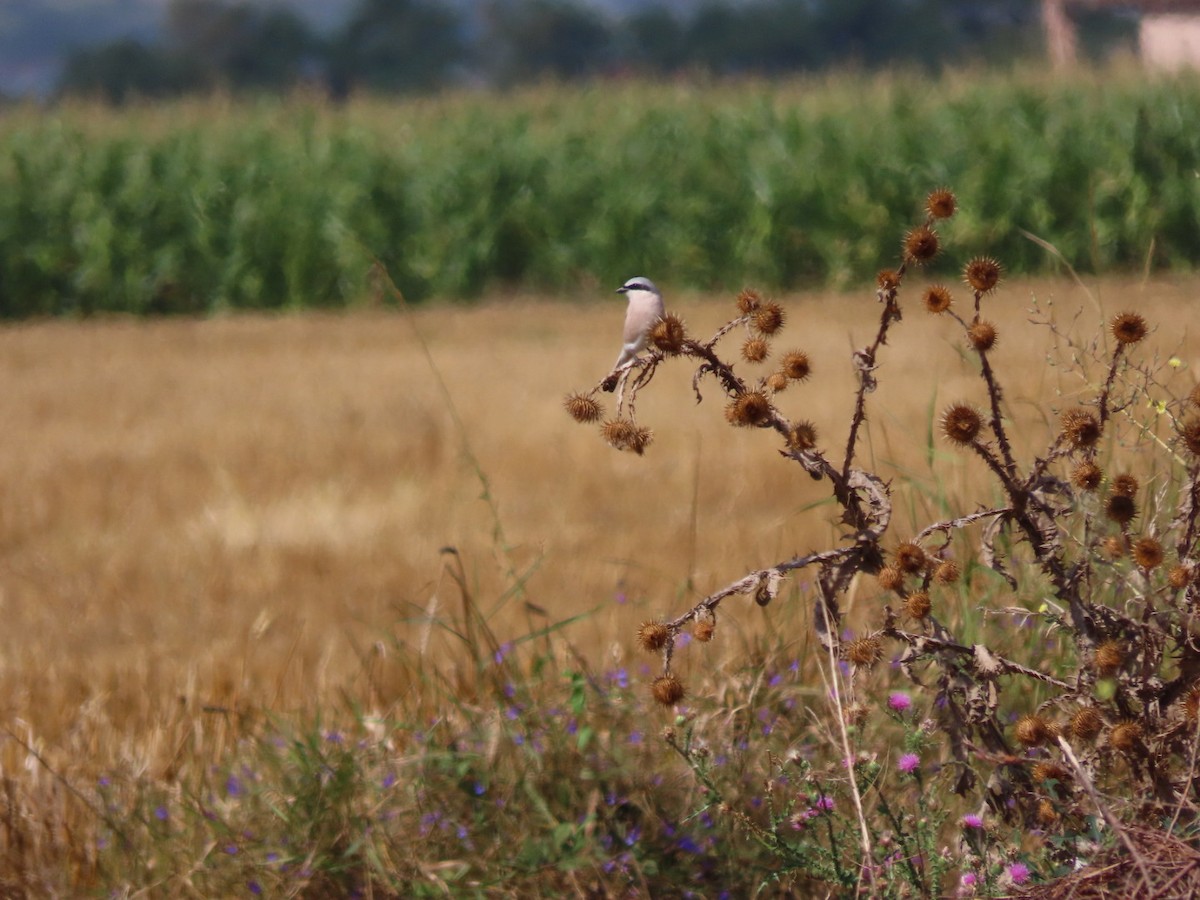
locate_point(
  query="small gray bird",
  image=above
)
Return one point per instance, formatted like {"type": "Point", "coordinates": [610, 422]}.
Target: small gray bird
{"type": "Point", "coordinates": [645, 308]}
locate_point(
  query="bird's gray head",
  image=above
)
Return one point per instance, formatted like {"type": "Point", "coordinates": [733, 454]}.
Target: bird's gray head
{"type": "Point", "coordinates": [638, 283]}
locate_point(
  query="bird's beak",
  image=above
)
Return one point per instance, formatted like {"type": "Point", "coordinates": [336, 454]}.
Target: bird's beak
{"type": "Point", "coordinates": [621, 289]}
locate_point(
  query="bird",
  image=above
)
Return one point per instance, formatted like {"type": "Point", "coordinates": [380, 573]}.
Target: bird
{"type": "Point", "coordinates": [644, 310]}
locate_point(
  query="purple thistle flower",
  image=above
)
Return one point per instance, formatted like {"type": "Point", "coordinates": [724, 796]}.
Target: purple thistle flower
{"type": "Point", "coordinates": [824, 804]}
{"type": "Point", "coordinates": [1018, 872]}
{"type": "Point", "coordinates": [899, 702]}
{"type": "Point", "coordinates": [972, 821]}
{"type": "Point", "coordinates": [908, 763]}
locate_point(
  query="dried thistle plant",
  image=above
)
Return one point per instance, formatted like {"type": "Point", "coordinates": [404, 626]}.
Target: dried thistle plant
{"type": "Point", "coordinates": [1115, 571]}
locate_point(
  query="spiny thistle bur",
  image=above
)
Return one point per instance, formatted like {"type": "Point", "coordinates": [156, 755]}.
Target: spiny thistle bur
{"type": "Point", "coordinates": [1148, 553]}
{"type": "Point", "coordinates": [982, 274]}
{"type": "Point", "coordinates": [910, 557]}
{"type": "Point", "coordinates": [755, 350]}
{"type": "Point", "coordinates": [667, 690]}
{"type": "Point", "coordinates": [768, 318]}
{"type": "Point", "coordinates": [583, 408]}
{"type": "Point", "coordinates": [921, 245]}
{"type": "Point", "coordinates": [796, 365]}
{"type": "Point", "coordinates": [982, 336]}
{"type": "Point", "coordinates": [1128, 328]}
{"type": "Point", "coordinates": [864, 652]}
{"type": "Point", "coordinates": [941, 204]}
{"type": "Point", "coordinates": [961, 424]}
{"type": "Point", "coordinates": [1033, 730]}
{"type": "Point", "coordinates": [937, 298]}
{"type": "Point", "coordinates": [890, 578]}
{"type": "Point", "coordinates": [1086, 723]}
{"type": "Point", "coordinates": [668, 334]}
{"type": "Point", "coordinates": [751, 409]}
{"type": "Point", "coordinates": [653, 636]}
{"type": "Point", "coordinates": [1086, 475]}
{"type": "Point", "coordinates": [917, 605]}
{"type": "Point", "coordinates": [947, 572]}
{"type": "Point", "coordinates": [1080, 428]}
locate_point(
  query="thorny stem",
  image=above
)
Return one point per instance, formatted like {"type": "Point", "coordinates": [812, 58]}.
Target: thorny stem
{"type": "Point", "coordinates": [866, 362]}
{"type": "Point", "coordinates": [1108, 383]}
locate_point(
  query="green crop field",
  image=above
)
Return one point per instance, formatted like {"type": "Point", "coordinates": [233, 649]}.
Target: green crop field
{"type": "Point", "coordinates": [207, 206]}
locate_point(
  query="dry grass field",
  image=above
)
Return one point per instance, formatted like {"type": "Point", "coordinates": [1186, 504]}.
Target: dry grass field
{"type": "Point", "coordinates": [246, 513]}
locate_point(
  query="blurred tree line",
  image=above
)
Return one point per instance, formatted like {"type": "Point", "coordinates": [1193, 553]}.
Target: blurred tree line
{"type": "Point", "coordinates": [420, 45]}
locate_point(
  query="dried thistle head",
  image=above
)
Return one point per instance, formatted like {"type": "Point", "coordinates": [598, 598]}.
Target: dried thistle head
{"type": "Point", "coordinates": [1086, 723]}
{"type": "Point", "coordinates": [947, 572]}
{"type": "Point", "coordinates": [755, 350]}
{"type": "Point", "coordinates": [749, 409]}
{"type": "Point", "coordinates": [1086, 475]}
{"type": "Point", "coordinates": [704, 629]}
{"type": "Point", "coordinates": [921, 244]}
{"type": "Point", "coordinates": [619, 433]}
{"type": "Point", "coordinates": [1080, 428]}
{"type": "Point", "coordinates": [1190, 432]}
{"type": "Point", "coordinates": [983, 274]}
{"type": "Point", "coordinates": [583, 408]}
{"type": "Point", "coordinates": [1128, 327]}
{"type": "Point", "coordinates": [1126, 737]}
{"type": "Point", "coordinates": [1148, 552]}
{"type": "Point", "coordinates": [768, 318]}
{"type": "Point", "coordinates": [982, 336]}
{"type": "Point", "coordinates": [1049, 771]}
{"type": "Point", "coordinates": [863, 652]}
{"type": "Point", "coordinates": [1108, 658]}
{"type": "Point", "coordinates": [668, 334]}
{"type": "Point", "coordinates": [1194, 397]}
{"type": "Point", "coordinates": [1115, 546]}
{"type": "Point", "coordinates": [1180, 576]}
{"type": "Point", "coordinates": [667, 689]}
{"type": "Point", "coordinates": [887, 279]}
{"type": "Point", "coordinates": [910, 557]}
{"type": "Point", "coordinates": [1191, 704]}
{"type": "Point", "coordinates": [653, 636]}
{"type": "Point", "coordinates": [796, 365]}
{"type": "Point", "coordinates": [961, 424]}
{"type": "Point", "coordinates": [1033, 730]}
{"type": "Point", "coordinates": [856, 715]}
{"type": "Point", "coordinates": [941, 204]}
{"type": "Point", "coordinates": [748, 301]}
{"type": "Point", "coordinates": [1126, 485]}
{"type": "Point", "coordinates": [803, 436]}
{"type": "Point", "coordinates": [890, 578]}
{"type": "Point", "coordinates": [778, 382]}
{"type": "Point", "coordinates": [1120, 509]}
{"type": "Point", "coordinates": [917, 605]}
{"type": "Point", "coordinates": [937, 298]}
{"type": "Point", "coordinates": [1047, 816]}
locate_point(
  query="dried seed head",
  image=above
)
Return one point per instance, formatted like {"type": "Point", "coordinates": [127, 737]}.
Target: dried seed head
{"type": "Point", "coordinates": [748, 301]}
{"type": "Point", "coordinates": [921, 245]}
{"type": "Point", "coordinates": [704, 629]}
{"type": "Point", "coordinates": [1126, 737]}
{"type": "Point", "coordinates": [749, 409]}
{"type": "Point", "coordinates": [1194, 396]}
{"type": "Point", "coordinates": [653, 636]}
{"type": "Point", "coordinates": [1109, 657]}
{"type": "Point", "coordinates": [1033, 730]}
{"type": "Point", "coordinates": [1128, 327]}
{"type": "Point", "coordinates": [961, 424]}
{"type": "Point", "coordinates": [777, 382]}
{"type": "Point", "coordinates": [640, 439]}
{"type": "Point", "coordinates": [887, 280]}
{"type": "Point", "coordinates": [1180, 576]}
{"type": "Point", "coordinates": [768, 318]}
{"type": "Point", "coordinates": [1049, 771]}
{"type": "Point", "coordinates": [937, 298]}
{"type": "Point", "coordinates": [1190, 432]}
{"type": "Point", "coordinates": [1086, 475]}
{"type": "Point", "coordinates": [619, 432]}
{"type": "Point", "coordinates": [755, 350]}
{"type": "Point", "coordinates": [982, 336]}
{"type": "Point", "coordinates": [947, 572]}
{"type": "Point", "coordinates": [910, 557]}
{"type": "Point", "coordinates": [667, 690]}
{"type": "Point", "coordinates": [1147, 553]}
{"type": "Point", "coordinates": [1080, 427]}
{"type": "Point", "coordinates": [1125, 485]}
{"type": "Point", "coordinates": [983, 274]}
{"type": "Point", "coordinates": [1047, 816]}
{"type": "Point", "coordinates": [1086, 723]}
{"type": "Point", "coordinates": [1115, 546]}
{"type": "Point", "coordinates": [668, 334]}
{"type": "Point", "coordinates": [856, 714]}
{"type": "Point", "coordinates": [803, 436]}
{"type": "Point", "coordinates": [796, 365]}
{"type": "Point", "coordinates": [917, 605]}
{"type": "Point", "coordinates": [1120, 509]}
{"type": "Point", "coordinates": [1191, 704]}
{"type": "Point", "coordinates": [890, 578]}
{"type": "Point", "coordinates": [583, 408]}
{"type": "Point", "coordinates": [863, 652]}
{"type": "Point", "coordinates": [940, 203]}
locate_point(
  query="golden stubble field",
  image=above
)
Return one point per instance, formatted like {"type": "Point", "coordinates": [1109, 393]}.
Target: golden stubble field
{"type": "Point", "coordinates": [247, 512]}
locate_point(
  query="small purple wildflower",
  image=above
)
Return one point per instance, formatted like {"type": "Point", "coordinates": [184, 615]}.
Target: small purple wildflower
{"type": "Point", "coordinates": [255, 888]}
{"type": "Point", "coordinates": [968, 879]}
{"type": "Point", "coordinates": [233, 786]}
{"type": "Point", "coordinates": [908, 763]}
{"type": "Point", "coordinates": [1018, 872]}
{"type": "Point", "coordinates": [231, 849]}
{"type": "Point", "coordinates": [160, 813]}
{"type": "Point", "coordinates": [824, 804]}
{"type": "Point", "coordinates": [899, 702]}
{"type": "Point", "coordinates": [388, 780]}
{"type": "Point", "coordinates": [970, 820]}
